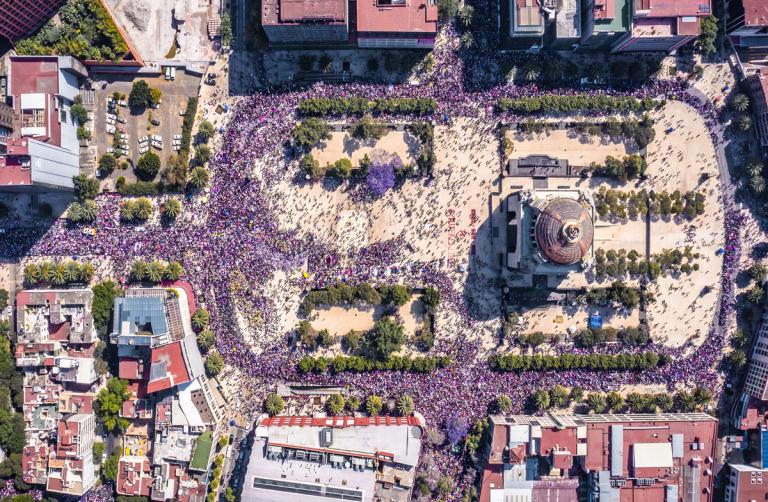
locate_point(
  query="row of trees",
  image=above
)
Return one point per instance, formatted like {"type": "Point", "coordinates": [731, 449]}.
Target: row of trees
{"type": "Point", "coordinates": [629, 297]}
{"type": "Point", "coordinates": [622, 205]}
{"type": "Point", "coordinates": [631, 336]}
{"type": "Point", "coordinates": [620, 263]}
{"type": "Point", "coordinates": [635, 402]}
{"type": "Point", "coordinates": [58, 273]}
{"type": "Point", "coordinates": [640, 131]}
{"type": "Point", "coordinates": [12, 438]}
{"type": "Point", "coordinates": [363, 293]}
{"type": "Point", "coordinates": [341, 364]}
{"type": "Point", "coordinates": [155, 271]}
{"type": "Point", "coordinates": [336, 404]}
{"type": "Point", "coordinates": [564, 362]}
{"type": "Point", "coordinates": [555, 103]}
{"type": "Point", "coordinates": [136, 210]}
{"type": "Point", "coordinates": [361, 106]}
{"type": "Point", "coordinates": [631, 167]}
{"type": "Point", "coordinates": [553, 69]}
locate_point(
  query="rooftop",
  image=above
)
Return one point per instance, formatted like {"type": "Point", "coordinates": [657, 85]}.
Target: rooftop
{"type": "Point", "coordinates": [397, 16]}
{"type": "Point", "coordinates": [613, 16]}
{"type": "Point", "coordinates": [672, 8]}
{"type": "Point", "coordinates": [755, 12]}
{"type": "Point", "coordinates": [168, 368]}
{"type": "Point", "coordinates": [202, 454]}
{"type": "Point", "coordinates": [275, 12]}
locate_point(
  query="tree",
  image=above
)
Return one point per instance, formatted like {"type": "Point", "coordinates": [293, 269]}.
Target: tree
{"type": "Point", "coordinates": [431, 297]}
{"type": "Point", "coordinates": [205, 131]}
{"type": "Point", "coordinates": [198, 178]}
{"type": "Point", "coordinates": [466, 15]}
{"type": "Point", "coordinates": [85, 187]}
{"type": "Point", "coordinates": [335, 404]}
{"type": "Point", "coordinates": [310, 132]}
{"type": "Point", "coordinates": [311, 166]}
{"type": "Point", "coordinates": [155, 271]}
{"type": "Point", "coordinates": [139, 270]}
{"type": "Point", "coordinates": [171, 209]}
{"type": "Point", "coordinates": [399, 295]}
{"type": "Point", "coordinates": [614, 402]}
{"type": "Point", "coordinates": [148, 166]}
{"type": "Point", "coordinates": [596, 402]}
{"type": "Point", "coordinates": [205, 340]}
{"type": "Point", "coordinates": [664, 402]}
{"type": "Point", "coordinates": [503, 403]}
{"type": "Point", "coordinates": [367, 128]}
{"type": "Point", "coordinates": [351, 341]}
{"type": "Point", "coordinates": [175, 172]}
{"type": "Point", "coordinates": [405, 406]}
{"type": "Point", "coordinates": [109, 469]}
{"type": "Point", "coordinates": [173, 271]}
{"type": "Point", "coordinates": [739, 103]}
{"type": "Point", "coordinates": [758, 271]}
{"type": "Point", "coordinates": [685, 402]}
{"type": "Point", "coordinates": [353, 404]}
{"type": "Point", "coordinates": [274, 404]}
{"type": "Point", "coordinates": [226, 30]}
{"type": "Point", "coordinates": [214, 364]}
{"type": "Point", "coordinates": [200, 318]}
{"type": "Point", "coordinates": [341, 169]}
{"type": "Point", "coordinates": [109, 404]}
{"type": "Point", "coordinates": [707, 36]}
{"type": "Point", "coordinates": [373, 405]}
{"type": "Point", "coordinates": [755, 294]}
{"type": "Point", "coordinates": [702, 396]}
{"type": "Point", "coordinates": [445, 486]}
{"type": "Point", "coordinates": [154, 96]}
{"type": "Point", "coordinates": [385, 338]}
{"type": "Point", "coordinates": [104, 295]}
{"type": "Point", "coordinates": [202, 154]}
{"type": "Point", "coordinates": [107, 164]}
{"type": "Point", "coordinates": [744, 123]}
{"type": "Point", "coordinates": [79, 113]}
{"type": "Point", "coordinates": [3, 299]}
{"type": "Point", "coordinates": [558, 396]}
{"type": "Point", "coordinates": [754, 167]}
{"type": "Point", "coordinates": [540, 400]}
{"type": "Point", "coordinates": [140, 95]}
{"type": "Point", "coordinates": [32, 274]}
{"type": "Point", "coordinates": [736, 359]}
{"type": "Point", "coordinates": [757, 184]}
{"type": "Point", "coordinates": [98, 451]}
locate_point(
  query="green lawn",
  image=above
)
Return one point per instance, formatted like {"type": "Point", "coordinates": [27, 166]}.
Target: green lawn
{"type": "Point", "coordinates": [202, 452]}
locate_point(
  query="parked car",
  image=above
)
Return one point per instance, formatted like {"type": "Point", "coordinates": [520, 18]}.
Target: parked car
{"type": "Point", "coordinates": [182, 113]}
{"type": "Point", "coordinates": [176, 147]}
{"type": "Point", "coordinates": [177, 136]}
{"type": "Point", "coordinates": [176, 142]}
{"type": "Point", "coordinates": [173, 73]}
{"type": "Point", "coordinates": [110, 129]}
{"type": "Point", "coordinates": [156, 137]}
{"type": "Point", "coordinates": [122, 120]}
{"type": "Point", "coordinates": [110, 120]}
{"type": "Point", "coordinates": [143, 148]}
{"type": "Point", "coordinates": [143, 139]}
{"type": "Point", "coordinates": [123, 103]}
{"type": "Point", "coordinates": [155, 122]}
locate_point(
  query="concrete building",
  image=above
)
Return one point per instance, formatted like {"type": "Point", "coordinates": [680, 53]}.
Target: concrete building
{"type": "Point", "coordinates": [748, 29]}
{"type": "Point", "coordinates": [21, 18]}
{"type": "Point", "coordinates": [746, 483]}
{"type": "Point", "coordinates": [394, 24]}
{"type": "Point", "coordinates": [757, 85]}
{"type": "Point", "coordinates": [535, 24]}
{"type": "Point", "coordinates": [604, 22]}
{"type": "Point", "coordinates": [55, 315]}
{"type": "Point", "coordinates": [756, 384]}
{"type": "Point", "coordinates": [305, 22]}
{"type": "Point", "coordinates": [43, 150]}
{"type": "Point", "coordinates": [316, 458]}
{"type": "Point", "coordinates": [649, 457]}
{"type": "Point", "coordinates": [71, 470]}
{"type": "Point", "coordinates": [663, 25]}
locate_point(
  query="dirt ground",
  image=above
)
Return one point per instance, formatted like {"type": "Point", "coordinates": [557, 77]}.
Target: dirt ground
{"type": "Point", "coordinates": [557, 319]}
{"type": "Point", "coordinates": [339, 320]}
{"type": "Point", "coordinates": [342, 145]}
{"type": "Point", "coordinates": [560, 143]}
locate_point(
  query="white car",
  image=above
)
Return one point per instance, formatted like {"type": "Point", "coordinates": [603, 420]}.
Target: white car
{"type": "Point", "coordinates": [124, 151]}
{"type": "Point", "coordinates": [176, 142]}
{"type": "Point", "coordinates": [111, 129]}
{"type": "Point", "coordinates": [122, 103]}
{"type": "Point", "coordinates": [122, 120]}
{"type": "Point", "coordinates": [159, 146]}
{"type": "Point", "coordinates": [110, 150]}
{"type": "Point", "coordinates": [143, 148]}
{"type": "Point", "coordinates": [177, 136]}
{"type": "Point", "coordinates": [143, 139]}
{"type": "Point", "coordinates": [177, 147]}
{"type": "Point", "coordinates": [182, 112]}
{"type": "Point", "coordinates": [156, 137]}
{"type": "Point", "coordinates": [110, 121]}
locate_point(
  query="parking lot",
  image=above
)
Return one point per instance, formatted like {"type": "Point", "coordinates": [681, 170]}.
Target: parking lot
{"type": "Point", "coordinates": [134, 124]}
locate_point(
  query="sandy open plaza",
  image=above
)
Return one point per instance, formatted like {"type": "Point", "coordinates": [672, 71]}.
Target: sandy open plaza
{"type": "Point", "coordinates": [342, 145]}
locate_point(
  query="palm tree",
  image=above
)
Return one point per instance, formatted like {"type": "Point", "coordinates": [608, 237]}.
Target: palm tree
{"type": "Point", "coordinates": [205, 131]}
{"type": "Point", "coordinates": [744, 123]}
{"type": "Point", "coordinates": [531, 72]}
{"type": "Point", "coordinates": [214, 364]}
{"type": "Point", "coordinates": [503, 403]}
{"type": "Point", "coordinates": [46, 271]}
{"type": "Point", "coordinates": [274, 404]}
{"type": "Point", "coordinates": [173, 271]}
{"type": "Point", "coordinates": [128, 211]}
{"type": "Point", "coordinates": [59, 276]}
{"type": "Point", "coordinates": [198, 178]}
{"type": "Point", "coordinates": [596, 402]}
{"type": "Point", "coordinates": [205, 340]}
{"type": "Point", "coordinates": [89, 211]}
{"type": "Point", "coordinates": [139, 270]}
{"type": "Point", "coordinates": [758, 271]}
{"type": "Point", "coordinates": [172, 208]}
{"type": "Point", "coordinates": [541, 400]}
{"type": "Point", "coordinates": [755, 294]}
{"type": "Point", "coordinates": [702, 396]}
{"type": "Point", "coordinates": [75, 212]}
{"type": "Point", "coordinates": [155, 271]}
{"type": "Point", "coordinates": [373, 405]}
{"type": "Point", "coordinates": [200, 318]}
{"type": "Point", "coordinates": [635, 402]}
{"type": "Point", "coordinates": [664, 402]}
{"type": "Point", "coordinates": [614, 402]}
{"type": "Point", "coordinates": [71, 271]}
{"type": "Point", "coordinates": [353, 403]}
{"type": "Point", "coordinates": [405, 405]}
{"type": "Point", "coordinates": [86, 272]}
{"type": "Point", "coordinates": [685, 402]}
{"type": "Point", "coordinates": [335, 404]}
{"type": "Point", "coordinates": [757, 184]}
{"type": "Point", "coordinates": [31, 274]}
{"type": "Point", "coordinates": [558, 396]}
{"type": "Point", "coordinates": [143, 208]}
{"type": "Point", "coordinates": [755, 167]}
{"type": "Point", "coordinates": [740, 103]}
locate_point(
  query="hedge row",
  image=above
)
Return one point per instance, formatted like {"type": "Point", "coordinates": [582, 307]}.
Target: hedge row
{"type": "Point", "coordinates": [594, 362]}
{"type": "Point", "coordinates": [361, 106]}
{"type": "Point", "coordinates": [186, 128]}
{"type": "Point", "coordinates": [581, 102]}
{"type": "Point", "coordinates": [340, 364]}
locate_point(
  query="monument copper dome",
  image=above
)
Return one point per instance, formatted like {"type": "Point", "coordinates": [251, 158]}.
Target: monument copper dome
{"type": "Point", "coordinates": [564, 231]}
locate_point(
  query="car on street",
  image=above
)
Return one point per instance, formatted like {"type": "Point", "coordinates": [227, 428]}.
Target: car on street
{"type": "Point", "coordinates": [182, 112]}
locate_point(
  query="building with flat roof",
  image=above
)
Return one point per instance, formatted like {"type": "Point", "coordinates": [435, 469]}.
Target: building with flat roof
{"type": "Point", "coordinates": [21, 18]}
{"type": "Point", "coordinates": [746, 483]}
{"type": "Point", "coordinates": [663, 25]}
{"type": "Point", "coordinates": [392, 24]}
{"type": "Point", "coordinates": [649, 457]}
{"type": "Point", "coordinates": [43, 150]}
{"type": "Point", "coordinates": [70, 469]}
{"type": "Point", "coordinates": [55, 315]}
{"type": "Point", "coordinates": [354, 458]}
{"type": "Point", "coordinates": [757, 86]}
{"type": "Point", "coordinates": [305, 21]}
{"type": "Point", "coordinates": [748, 29]}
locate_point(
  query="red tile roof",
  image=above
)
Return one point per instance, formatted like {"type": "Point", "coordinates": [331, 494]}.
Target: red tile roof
{"type": "Point", "coordinates": [12, 173]}
{"type": "Point", "coordinates": [276, 12]}
{"type": "Point", "coordinates": [134, 477]}
{"type": "Point", "coordinates": [672, 8]}
{"type": "Point", "coordinates": [755, 12]}
{"type": "Point", "coordinates": [172, 358]}
{"type": "Point", "coordinates": [34, 463]}
{"type": "Point", "coordinates": [414, 17]}
{"type": "Point", "coordinates": [131, 369]}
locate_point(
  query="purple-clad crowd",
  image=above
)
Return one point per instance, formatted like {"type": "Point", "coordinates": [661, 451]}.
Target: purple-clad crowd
{"type": "Point", "coordinates": [231, 253]}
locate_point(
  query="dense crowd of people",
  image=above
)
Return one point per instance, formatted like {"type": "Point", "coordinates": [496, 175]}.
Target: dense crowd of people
{"type": "Point", "coordinates": [233, 245]}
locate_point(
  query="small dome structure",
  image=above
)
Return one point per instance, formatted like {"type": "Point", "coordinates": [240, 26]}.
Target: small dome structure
{"type": "Point", "coordinates": [564, 231]}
